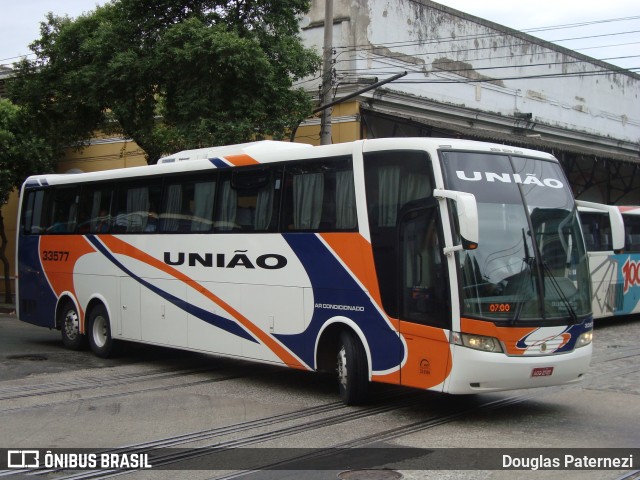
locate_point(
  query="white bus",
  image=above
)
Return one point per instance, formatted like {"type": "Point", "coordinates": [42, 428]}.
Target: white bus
{"type": "Point", "coordinates": [440, 264]}
{"type": "Point", "coordinates": [612, 237]}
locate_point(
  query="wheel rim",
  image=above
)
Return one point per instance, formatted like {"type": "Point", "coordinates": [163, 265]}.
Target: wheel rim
{"type": "Point", "coordinates": [71, 325]}
{"type": "Point", "coordinates": [100, 331]}
{"type": "Point", "coordinates": [342, 367]}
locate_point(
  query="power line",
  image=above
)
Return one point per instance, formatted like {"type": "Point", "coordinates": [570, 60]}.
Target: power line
{"type": "Point", "coordinates": [593, 36]}
{"type": "Point", "coordinates": [577, 25]}
{"type": "Point", "coordinates": [526, 77]}
{"type": "Point", "coordinates": [469, 37]}
{"type": "Point", "coordinates": [381, 71]}
{"type": "Point", "coordinates": [17, 57]}
{"type": "Point", "coordinates": [474, 37]}
{"type": "Point", "coordinates": [413, 43]}
{"type": "Point", "coordinates": [457, 52]}
{"type": "Point", "coordinates": [608, 46]}
{"type": "Point", "coordinates": [486, 36]}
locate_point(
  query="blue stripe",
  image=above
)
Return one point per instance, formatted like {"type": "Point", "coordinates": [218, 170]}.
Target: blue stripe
{"type": "Point", "coordinates": [215, 320]}
{"type": "Point", "coordinates": [219, 163]}
{"type": "Point", "coordinates": [333, 285]}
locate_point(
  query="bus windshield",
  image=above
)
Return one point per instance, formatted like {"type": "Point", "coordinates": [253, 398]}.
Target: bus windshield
{"type": "Point", "coordinates": [530, 263]}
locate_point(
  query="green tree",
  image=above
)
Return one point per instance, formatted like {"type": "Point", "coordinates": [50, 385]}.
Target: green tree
{"type": "Point", "coordinates": [21, 154]}
{"type": "Point", "coordinates": [213, 72]}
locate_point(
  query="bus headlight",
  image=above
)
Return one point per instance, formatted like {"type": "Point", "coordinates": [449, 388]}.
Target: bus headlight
{"type": "Point", "coordinates": [585, 339]}
{"type": "Point", "coordinates": [477, 342]}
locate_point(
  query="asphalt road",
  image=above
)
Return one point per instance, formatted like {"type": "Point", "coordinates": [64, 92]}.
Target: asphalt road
{"type": "Point", "coordinates": [151, 397]}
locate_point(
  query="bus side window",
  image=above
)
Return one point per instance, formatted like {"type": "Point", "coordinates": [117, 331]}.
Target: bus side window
{"type": "Point", "coordinates": [36, 215]}
{"type": "Point", "coordinates": [424, 293]}
{"type": "Point", "coordinates": [188, 204]}
{"type": "Point", "coordinates": [392, 180]}
{"type": "Point", "coordinates": [137, 207]}
{"type": "Point", "coordinates": [597, 231]}
{"type": "Point", "coordinates": [320, 196]}
{"type": "Point", "coordinates": [95, 203]}
{"type": "Point", "coordinates": [65, 210]}
{"type": "Point", "coordinates": [248, 200]}
{"type": "Point", "coordinates": [632, 233]}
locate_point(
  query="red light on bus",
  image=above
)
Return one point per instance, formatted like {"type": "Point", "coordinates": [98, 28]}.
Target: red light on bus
{"type": "Point", "coordinates": [499, 307]}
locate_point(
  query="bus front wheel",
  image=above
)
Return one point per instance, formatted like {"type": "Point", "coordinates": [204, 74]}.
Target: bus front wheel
{"type": "Point", "coordinates": [100, 332]}
{"type": "Point", "coordinates": [70, 327]}
{"type": "Point", "coordinates": [352, 369]}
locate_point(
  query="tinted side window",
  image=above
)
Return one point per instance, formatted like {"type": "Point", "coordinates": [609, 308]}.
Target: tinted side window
{"type": "Point", "coordinates": [36, 214]}
{"type": "Point", "coordinates": [597, 231]}
{"type": "Point", "coordinates": [94, 208]}
{"type": "Point", "coordinates": [64, 210]}
{"type": "Point", "coordinates": [188, 204]}
{"type": "Point", "coordinates": [392, 179]}
{"type": "Point", "coordinates": [248, 200]}
{"type": "Point", "coordinates": [632, 233]}
{"type": "Point", "coordinates": [320, 196]}
{"type": "Point", "coordinates": [424, 284]}
{"type": "Point", "coordinates": [137, 206]}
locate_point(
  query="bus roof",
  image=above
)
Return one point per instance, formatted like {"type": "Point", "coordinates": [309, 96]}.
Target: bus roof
{"type": "Point", "coordinates": [238, 149]}
{"type": "Point", "coordinates": [268, 151]}
{"type": "Point", "coordinates": [629, 209]}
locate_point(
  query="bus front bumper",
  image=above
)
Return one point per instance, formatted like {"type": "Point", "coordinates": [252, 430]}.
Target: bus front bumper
{"type": "Point", "coordinates": [475, 371]}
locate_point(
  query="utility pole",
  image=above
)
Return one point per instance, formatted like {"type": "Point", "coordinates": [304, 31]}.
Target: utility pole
{"type": "Point", "coordinates": [327, 68]}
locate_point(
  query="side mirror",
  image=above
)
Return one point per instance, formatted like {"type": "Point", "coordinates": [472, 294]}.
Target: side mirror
{"type": "Point", "coordinates": [467, 211]}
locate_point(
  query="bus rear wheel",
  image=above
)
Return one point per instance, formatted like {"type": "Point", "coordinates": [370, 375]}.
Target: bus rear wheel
{"type": "Point", "coordinates": [100, 332]}
{"type": "Point", "coordinates": [352, 369]}
{"type": "Point", "coordinates": [70, 327]}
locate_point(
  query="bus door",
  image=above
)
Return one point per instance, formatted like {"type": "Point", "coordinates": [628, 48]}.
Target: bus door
{"type": "Point", "coordinates": [425, 311]}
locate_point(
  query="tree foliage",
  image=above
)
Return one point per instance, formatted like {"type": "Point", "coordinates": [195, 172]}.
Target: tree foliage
{"type": "Point", "coordinates": [171, 74]}
{"type": "Point", "coordinates": [21, 154]}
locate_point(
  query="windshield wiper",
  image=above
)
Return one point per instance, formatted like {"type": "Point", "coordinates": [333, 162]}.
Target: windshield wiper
{"type": "Point", "coordinates": [528, 262]}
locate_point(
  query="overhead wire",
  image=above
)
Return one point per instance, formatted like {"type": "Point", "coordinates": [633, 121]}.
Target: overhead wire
{"type": "Point", "coordinates": [466, 37]}
{"type": "Point", "coordinates": [579, 24]}
{"type": "Point", "coordinates": [458, 51]}
{"type": "Point", "coordinates": [513, 56]}
{"type": "Point", "coordinates": [410, 43]}
{"type": "Point", "coordinates": [459, 39]}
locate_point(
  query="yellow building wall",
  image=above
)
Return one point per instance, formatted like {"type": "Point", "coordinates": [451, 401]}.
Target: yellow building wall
{"type": "Point", "coordinates": [9, 215]}
{"type": "Point", "coordinates": [103, 154]}
{"type": "Point", "coordinates": [345, 125]}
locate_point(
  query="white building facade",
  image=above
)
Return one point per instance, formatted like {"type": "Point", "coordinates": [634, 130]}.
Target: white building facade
{"type": "Point", "coordinates": [472, 78]}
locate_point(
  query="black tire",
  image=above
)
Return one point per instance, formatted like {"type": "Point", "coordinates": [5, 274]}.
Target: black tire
{"type": "Point", "coordinates": [70, 327]}
{"type": "Point", "coordinates": [353, 370]}
{"type": "Point", "coordinates": [99, 332]}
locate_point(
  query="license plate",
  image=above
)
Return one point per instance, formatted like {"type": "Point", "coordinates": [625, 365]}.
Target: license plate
{"type": "Point", "coordinates": [542, 372]}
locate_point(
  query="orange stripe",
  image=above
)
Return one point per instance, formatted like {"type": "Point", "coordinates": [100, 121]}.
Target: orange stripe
{"type": "Point", "coordinates": [627, 209]}
{"type": "Point", "coordinates": [241, 160]}
{"type": "Point", "coordinates": [118, 246]}
{"type": "Point", "coordinates": [355, 252]}
{"type": "Point", "coordinates": [59, 254]}
{"type": "Point", "coordinates": [429, 358]}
